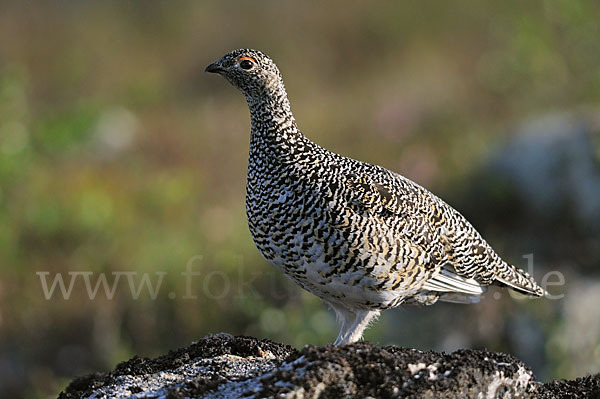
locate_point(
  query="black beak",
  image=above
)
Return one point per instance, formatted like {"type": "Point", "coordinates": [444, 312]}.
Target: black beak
{"type": "Point", "coordinates": [214, 68]}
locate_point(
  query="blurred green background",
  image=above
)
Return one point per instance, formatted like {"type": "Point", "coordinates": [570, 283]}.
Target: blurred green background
{"type": "Point", "coordinates": [119, 155]}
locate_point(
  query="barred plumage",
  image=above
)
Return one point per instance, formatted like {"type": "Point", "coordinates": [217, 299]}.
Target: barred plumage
{"type": "Point", "coordinates": [360, 237]}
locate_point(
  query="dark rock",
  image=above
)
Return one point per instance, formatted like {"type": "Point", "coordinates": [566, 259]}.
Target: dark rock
{"type": "Point", "coordinates": [223, 366]}
{"type": "Point", "coordinates": [584, 387]}
{"type": "Point", "coordinates": [541, 190]}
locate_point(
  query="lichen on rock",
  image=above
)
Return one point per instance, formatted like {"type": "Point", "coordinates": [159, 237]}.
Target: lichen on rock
{"type": "Point", "coordinates": [223, 366]}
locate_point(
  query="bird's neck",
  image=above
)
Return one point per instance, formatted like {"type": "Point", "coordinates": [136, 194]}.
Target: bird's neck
{"type": "Point", "coordinates": [274, 130]}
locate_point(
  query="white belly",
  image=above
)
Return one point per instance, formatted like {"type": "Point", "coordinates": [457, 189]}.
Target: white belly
{"type": "Point", "coordinates": [352, 289]}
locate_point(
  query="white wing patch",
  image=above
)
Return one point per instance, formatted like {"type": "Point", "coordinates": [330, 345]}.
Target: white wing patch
{"type": "Point", "coordinates": [446, 281]}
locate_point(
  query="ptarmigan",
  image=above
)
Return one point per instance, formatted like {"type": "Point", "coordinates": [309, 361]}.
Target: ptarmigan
{"type": "Point", "coordinates": [360, 237]}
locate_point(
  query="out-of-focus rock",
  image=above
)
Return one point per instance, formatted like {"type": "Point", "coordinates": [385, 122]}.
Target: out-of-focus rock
{"type": "Point", "coordinates": [542, 190]}
{"type": "Point", "coordinates": [552, 165]}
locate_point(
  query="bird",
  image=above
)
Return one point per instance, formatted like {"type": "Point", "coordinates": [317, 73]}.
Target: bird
{"type": "Point", "coordinates": [360, 237]}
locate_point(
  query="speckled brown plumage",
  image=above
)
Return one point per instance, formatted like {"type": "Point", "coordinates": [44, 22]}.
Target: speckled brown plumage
{"type": "Point", "coordinates": [360, 237]}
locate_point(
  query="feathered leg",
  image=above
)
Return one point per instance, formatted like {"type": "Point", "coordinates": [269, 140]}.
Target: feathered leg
{"type": "Point", "coordinates": [355, 332]}
{"type": "Point", "coordinates": [353, 324]}
{"type": "Point", "coordinates": [347, 319]}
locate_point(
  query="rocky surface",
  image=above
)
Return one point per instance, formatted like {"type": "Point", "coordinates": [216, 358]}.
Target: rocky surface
{"type": "Point", "coordinates": [223, 366]}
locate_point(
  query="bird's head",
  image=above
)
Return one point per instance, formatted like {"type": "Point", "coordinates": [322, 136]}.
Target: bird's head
{"type": "Point", "coordinates": [251, 71]}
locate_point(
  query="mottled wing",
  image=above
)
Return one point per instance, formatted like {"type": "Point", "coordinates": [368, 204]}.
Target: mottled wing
{"type": "Point", "coordinates": [392, 227]}
{"type": "Point", "coordinates": [421, 218]}
{"type": "Point", "coordinates": [468, 263]}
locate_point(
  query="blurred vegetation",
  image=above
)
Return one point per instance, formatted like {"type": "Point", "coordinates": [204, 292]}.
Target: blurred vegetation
{"type": "Point", "coordinates": [117, 154]}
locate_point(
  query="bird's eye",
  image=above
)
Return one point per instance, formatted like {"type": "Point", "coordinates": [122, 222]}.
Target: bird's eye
{"type": "Point", "coordinates": [246, 63]}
